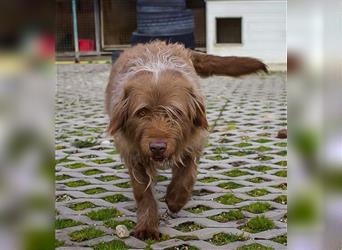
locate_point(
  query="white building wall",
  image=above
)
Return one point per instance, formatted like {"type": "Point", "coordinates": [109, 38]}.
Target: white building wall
{"type": "Point", "coordinates": [263, 28]}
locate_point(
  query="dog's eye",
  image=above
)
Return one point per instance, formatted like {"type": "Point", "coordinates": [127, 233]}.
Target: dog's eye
{"type": "Point", "coordinates": [141, 113]}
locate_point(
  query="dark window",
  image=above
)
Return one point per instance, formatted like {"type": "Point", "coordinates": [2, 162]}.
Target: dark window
{"type": "Point", "coordinates": [229, 30]}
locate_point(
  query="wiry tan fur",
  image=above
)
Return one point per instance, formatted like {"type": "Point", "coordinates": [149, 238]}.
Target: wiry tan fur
{"type": "Point", "coordinates": [153, 95]}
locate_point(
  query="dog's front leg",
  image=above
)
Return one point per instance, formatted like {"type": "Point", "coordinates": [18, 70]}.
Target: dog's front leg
{"type": "Point", "coordinates": [180, 189]}
{"type": "Point", "coordinates": [147, 214]}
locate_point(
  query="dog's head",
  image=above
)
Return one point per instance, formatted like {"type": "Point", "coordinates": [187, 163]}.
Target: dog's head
{"type": "Point", "coordinates": [159, 114]}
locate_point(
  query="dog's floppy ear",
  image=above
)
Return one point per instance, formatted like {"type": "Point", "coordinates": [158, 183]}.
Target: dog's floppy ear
{"type": "Point", "coordinates": [118, 115]}
{"type": "Point", "coordinates": [198, 108]}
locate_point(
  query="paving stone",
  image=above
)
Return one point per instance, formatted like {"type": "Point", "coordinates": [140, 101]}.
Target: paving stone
{"type": "Point", "coordinates": [245, 115]}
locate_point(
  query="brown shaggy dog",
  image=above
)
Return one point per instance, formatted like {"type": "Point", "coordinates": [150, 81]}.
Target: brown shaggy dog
{"type": "Point", "coordinates": [158, 119]}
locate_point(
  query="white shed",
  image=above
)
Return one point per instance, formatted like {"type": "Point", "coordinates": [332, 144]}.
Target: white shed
{"type": "Point", "coordinates": [255, 28]}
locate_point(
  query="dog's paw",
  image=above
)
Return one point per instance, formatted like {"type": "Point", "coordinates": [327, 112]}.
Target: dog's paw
{"type": "Point", "coordinates": [146, 233]}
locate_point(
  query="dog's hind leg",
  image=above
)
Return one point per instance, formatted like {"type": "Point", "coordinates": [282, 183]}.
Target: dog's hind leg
{"type": "Point", "coordinates": [147, 214]}
{"type": "Point", "coordinates": [180, 189]}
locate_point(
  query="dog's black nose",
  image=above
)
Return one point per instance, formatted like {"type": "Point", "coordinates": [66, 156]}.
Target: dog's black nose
{"type": "Point", "coordinates": [157, 147]}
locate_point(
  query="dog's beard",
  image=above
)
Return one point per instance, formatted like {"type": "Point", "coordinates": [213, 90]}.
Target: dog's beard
{"type": "Point", "coordinates": [162, 165]}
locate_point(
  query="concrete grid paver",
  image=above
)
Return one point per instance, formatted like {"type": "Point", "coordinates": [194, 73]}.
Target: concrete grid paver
{"type": "Point", "coordinates": [244, 114]}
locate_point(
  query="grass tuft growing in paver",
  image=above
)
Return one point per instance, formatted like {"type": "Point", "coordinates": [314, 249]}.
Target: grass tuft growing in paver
{"type": "Point", "coordinates": [59, 243]}
{"type": "Point", "coordinates": [281, 199]}
{"type": "Point", "coordinates": [78, 183]}
{"type": "Point", "coordinates": [217, 157]}
{"type": "Point", "coordinates": [198, 209]}
{"type": "Point", "coordinates": [123, 185]}
{"type": "Point", "coordinates": [104, 214]}
{"type": "Point", "coordinates": [281, 239]}
{"type": "Point", "coordinates": [281, 153]}
{"type": "Point", "coordinates": [92, 172]}
{"type": "Point", "coordinates": [258, 207]}
{"type": "Point", "coordinates": [236, 173]}
{"type": "Point", "coordinates": [161, 178]}
{"type": "Point", "coordinates": [262, 149]}
{"type": "Point", "coordinates": [258, 224]}
{"type": "Point", "coordinates": [209, 179]}
{"type": "Point", "coordinates": [281, 163]}
{"type": "Point", "coordinates": [262, 140]}
{"type": "Point", "coordinates": [189, 226]}
{"type": "Point", "coordinates": [82, 206]}
{"type": "Point", "coordinates": [281, 173]}
{"type": "Point", "coordinates": [64, 223]}
{"type": "Point", "coordinates": [62, 177]}
{"type": "Point", "coordinates": [257, 180]}
{"type": "Point", "coordinates": [182, 247]}
{"type": "Point", "coordinates": [224, 238]}
{"type": "Point", "coordinates": [112, 223]}
{"type": "Point", "coordinates": [221, 150]}
{"type": "Point", "coordinates": [201, 192]}
{"type": "Point", "coordinates": [230, 185]}
{"type": "Point", "coordinates": [90, 142]}
{"type": "Point", "coordinates": [107, 178]}
{"type": "Point", "coordinates": [254, 246]}
{"type": "Point", "coordinates": [261, 168]}
{"type": "Point", "coordinates": [103, 161]}
{"type": "Point", "coordinates": [112, 245]}
{"type": "Point", "coordinates": [228, 199]}
{"type": "Point", "coordinates": [263, 158]}
{"type": "Point", "coordinates": [76, 165]}
{"type": "Point", "coordinates": [116, 198]}
{"type": "Point", "coordinates": [258, 192]}
{"type": "Point", "coordinates": [97, 190]}
{"type": "Point", "coordinates": [282, 186]}
{"type": "Point", "coordinates": [281, 144]}
{"type": "Point", "coordinates": [243, 145]}
{"type": "Point", "coordinates": [86, 234]}
{"type": "Point", "coordinates": [187, 237]}
{"type": "Point", "coordinates": [228, 216]}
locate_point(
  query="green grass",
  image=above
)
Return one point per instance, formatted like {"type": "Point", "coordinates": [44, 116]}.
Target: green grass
{"type": "Point", "coordinates": [62, 160]}
{"type": "Point", "coordinates": [201, 192]}
{"type": "Point", "coordinates": [282, 186]}
{"type": "Point", "coordinates": [78, 183]}
{"type": "Point", "coordinates": [224, 238]}
{"type": "Point", "coordinates": [63, 223]}
{"type": "Point", "coordinates": [221, 150]}
{"type": "Point", "coordinates": [82, 206]}
{"type": "Point", "coordinates": [161, 178]}
{"type": "Point", "coordinates": [281, 199]}
{"type": "Point", "coordinates": [188, 227]}
{"type": "Point", "coordinates": [123, 185]}
{"type": "Point", "coordinates": [116, 198]}
{"type": "Point", "coordinates": [209, 179]}
{"type": "Point", "coordinates": [282, 239]}
{"type": "Point", "coordinates": [59, 243]}
{"type": "Point", "coordinates": [236, 173]}
{"type": "Point", "coordinates": [262, 140]}
{"type": "Point", "coordinates": [281, 173]}
{"type": "Point", "coordinates": [62, 177]}
{"type": "Point", "coordinates": [84, 143]}
{"type": "Point", "coordinates": [243, 145]}
{"type": "Point", "coordinates": [86, 234]}
{"type": "Point", "coordinates": [262, 149]}
{"type": "Point", "coordinates": [281, 163]}
{"type": "Point", "coordinates": [112, 223]}
{"type": "Point", "coordinates": [187, 237]}
{"type": "Point", "coordinates": [228, 216]}
{"type": "Point", "coordinates": [228, 199]}
{"type": "Point", "coordinates": [107, 178]}
{"type": "Point", "coordinates": [230, 185]}
{"type": "Point", "coordinates": [281, 144]}
{"type": "Point", "coordinates": [261, 168]}
{"type": "Point", "coordinates": [258, 207]}
{"type": "Point", "coordinates": [282, 153]}
{"type": "Point", "coordinates": [258, 192]}
{"type": "Point", "coordinates": [103, 161]}
{"type": "Point", "coordinates": [59, 147]}
{"type": "Point", "coordinates": [76, 165]}
{"type": "Point", "coordinates": [254, 246]}
{"type": "Point", "coordinates": [182, 247]}
{"type": "Point", "coordinates": [97, 190]}
{"type": "Point", "coordinates": [263, 158]}
{"type": "Point", "coordinates": [112, 245]}
{"type": "Point", "coordinates": [257, 180]}
{"type": "Point", "coordinates": [104, 214]}
{"type": "Point", "coordinates": [258, 224]}
{"type": "Point", "coordinates": [198, 209]}
{"type": "Point", "coordinates": [217, 157]}
{"type": "Point", "coordinates": [92, 172]}
{"type": "Point", "coordinates": [241, 153]}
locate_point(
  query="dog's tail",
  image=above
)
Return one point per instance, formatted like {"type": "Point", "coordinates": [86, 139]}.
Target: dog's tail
{"type": "Point", "coordinates": [207, 65]}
